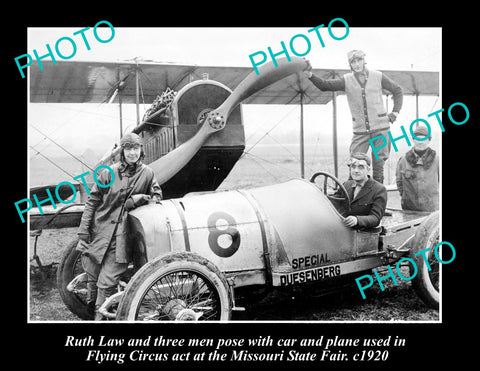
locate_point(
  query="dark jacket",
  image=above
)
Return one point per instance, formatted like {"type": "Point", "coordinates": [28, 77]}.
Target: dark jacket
{"type": "Point", "coordinates": [418, 180]}
{"type": "Point", "coordinates": [370, 203]}
{"type": "Point", "coordinates": [103, 218]}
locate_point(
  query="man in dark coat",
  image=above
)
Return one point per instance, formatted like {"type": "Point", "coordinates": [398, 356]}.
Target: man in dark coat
{"type": "Point", "coordinates": [105, 257]}
{"type": "Point", "coordinates": [368, 197]}
{"type": "Point", "coordinates": [418, 174]}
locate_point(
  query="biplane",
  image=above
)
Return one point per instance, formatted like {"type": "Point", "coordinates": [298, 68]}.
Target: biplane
{"type": "Point", "coordinates": [182, 97]}
{"type": "Point", "coordinates": [192, 140]}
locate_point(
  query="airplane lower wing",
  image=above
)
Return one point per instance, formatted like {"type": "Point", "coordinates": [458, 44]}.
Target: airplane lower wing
{"type": "Point", "coordinates": [67, 216]}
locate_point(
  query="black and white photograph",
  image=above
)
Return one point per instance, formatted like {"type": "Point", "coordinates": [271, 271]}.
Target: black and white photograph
{"type": "Point", "coordinates": [266, 194]}
{"type": "Point", "coordinates": [286, 188]}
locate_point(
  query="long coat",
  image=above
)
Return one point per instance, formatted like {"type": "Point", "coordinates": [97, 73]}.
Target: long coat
{"type": "Point", "coordinates": [418, 181]}
{"type": "Point", "coordinates": [104, 217]}
{"type": "Point", "coordinates": [369, 204]}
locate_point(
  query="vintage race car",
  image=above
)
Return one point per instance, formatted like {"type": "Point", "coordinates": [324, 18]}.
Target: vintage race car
{"type": "Point", "coordinates": [192, 253]}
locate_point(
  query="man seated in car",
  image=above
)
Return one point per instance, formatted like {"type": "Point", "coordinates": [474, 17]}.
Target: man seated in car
{"type": "Point", "coordinates": [368, 198]}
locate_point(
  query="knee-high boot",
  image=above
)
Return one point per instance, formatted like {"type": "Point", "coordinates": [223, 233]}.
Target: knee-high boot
{"type": "Point", "coordinates": [102, 295]}
{"type": "Point", "coordinates": [92, 292]}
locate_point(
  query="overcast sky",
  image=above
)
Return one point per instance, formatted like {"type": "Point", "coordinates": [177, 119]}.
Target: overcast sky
{"type": "Point", "coordinates": [386, 48]}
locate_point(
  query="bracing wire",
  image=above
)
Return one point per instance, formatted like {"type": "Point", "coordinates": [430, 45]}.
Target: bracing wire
{"type": "Point", "coordinates": [284, 147]}
{"type": "Point", "coordinates": [267, 133]}
{"type": "Point", "coordinates": [61, 147]}
{"type": "Point", "coordinates": [52, 162]}
{"type": "Point", "coordinates": [259, 163]}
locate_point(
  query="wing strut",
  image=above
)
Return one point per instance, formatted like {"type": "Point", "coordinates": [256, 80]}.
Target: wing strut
{"type": "Point", "coordinates": [334, 120]}
{"type": "Point", "coordinates": [302, 139]}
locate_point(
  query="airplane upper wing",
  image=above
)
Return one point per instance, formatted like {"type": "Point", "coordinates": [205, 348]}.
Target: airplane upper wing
{"type": "Point", "coordinates": [92, 82]}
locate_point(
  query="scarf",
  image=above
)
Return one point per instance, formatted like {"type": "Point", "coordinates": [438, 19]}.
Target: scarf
{"type": "Point", "coordinates": [426, 159]}
{"type": "Point", "coordinates": [128, 170]}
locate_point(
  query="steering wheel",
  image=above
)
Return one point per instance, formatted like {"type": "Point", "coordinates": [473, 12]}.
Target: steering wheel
{"type": "Point", "coordinates": [338, 195]}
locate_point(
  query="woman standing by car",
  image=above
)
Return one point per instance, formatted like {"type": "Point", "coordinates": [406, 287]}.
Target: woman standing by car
{"type": "Point", "coordinates": [102, 233]}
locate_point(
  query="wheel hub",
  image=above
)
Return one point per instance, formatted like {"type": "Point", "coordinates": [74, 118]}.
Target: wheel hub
{"type": "Point", "coordinates": [176, 310]}
{"type": "Point", "coordinates": [173, 308]}
{"type": "Point", "coordinates": [188, 314]}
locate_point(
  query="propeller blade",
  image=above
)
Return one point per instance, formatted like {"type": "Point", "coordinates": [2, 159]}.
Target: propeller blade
{"type": "Point", "coordinates": [170, 164]}
{"type": "Point", "coordinates": [268, 74]}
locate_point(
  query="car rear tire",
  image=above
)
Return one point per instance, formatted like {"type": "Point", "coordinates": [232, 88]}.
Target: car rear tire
{"type": "Point", "coordinates": [69, 267]}
{"type": "Point", "coordinates": [177, 287]}
{"type": "Point", "coordinates": [426, 282]}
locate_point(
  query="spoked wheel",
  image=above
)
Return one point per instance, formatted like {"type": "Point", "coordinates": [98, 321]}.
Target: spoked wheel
{"type": "Point", "coordinates": [75, 295]}
{"type": "Point", "coordinates": [427, 281]}
{"type": "Point", "coordinates": [177, 287]}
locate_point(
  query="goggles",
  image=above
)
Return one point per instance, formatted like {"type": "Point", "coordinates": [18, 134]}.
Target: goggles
{"type": "Point", "coordinates": [129, 146]}
{"type": "Point", "coordinates": [357, 165]}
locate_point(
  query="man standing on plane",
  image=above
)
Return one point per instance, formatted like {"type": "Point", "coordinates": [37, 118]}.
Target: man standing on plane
{"type": "Point", "coordinates": [363, 88]}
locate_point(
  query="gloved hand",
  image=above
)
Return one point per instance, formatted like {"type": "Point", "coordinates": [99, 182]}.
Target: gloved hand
{"type": "Point", "coordinates": [82, 245]}
{"type": "Point", "coordinates": [392, 116]}
{"type": "Point", "coordinates": [136, 201]}
{"type": "Point", "coordinates": [308, 70]}
{"type": "Point", "coordinates": [84, 237]}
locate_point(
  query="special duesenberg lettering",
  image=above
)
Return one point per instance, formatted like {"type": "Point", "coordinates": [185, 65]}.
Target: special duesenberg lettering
{"type": "Point", "coordinates": [310, 275]}
{"type": "Point", "coordinates": [309, 261]}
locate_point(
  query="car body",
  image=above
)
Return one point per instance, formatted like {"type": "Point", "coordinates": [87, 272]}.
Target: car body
{"type": "Point", "coordinates": [278, 235]}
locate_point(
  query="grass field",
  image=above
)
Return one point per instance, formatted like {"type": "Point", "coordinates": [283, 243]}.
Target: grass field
{"type": "Point", "coordinates": [396, 303]}
{"type": "Point", "coordinates": [260, 166]}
